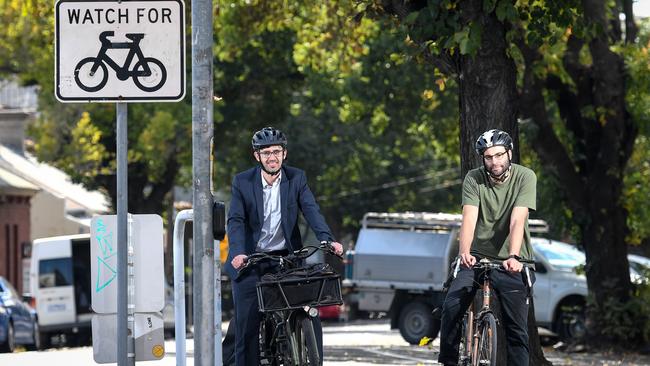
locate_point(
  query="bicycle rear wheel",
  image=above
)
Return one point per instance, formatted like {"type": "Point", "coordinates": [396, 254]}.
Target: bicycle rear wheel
{"type": "Point", "coordinates": [487, 341]}
{"type": "Point", "coordinates": [305, 337]}
{"type": "Point", "coordinates": [464, 347]}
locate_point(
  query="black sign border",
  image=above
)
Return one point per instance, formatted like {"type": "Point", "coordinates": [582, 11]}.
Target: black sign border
{"type": "Point", "coordinates": [57, 42]}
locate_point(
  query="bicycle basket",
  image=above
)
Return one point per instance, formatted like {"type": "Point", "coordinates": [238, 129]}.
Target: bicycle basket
{"type": "Point", "coordinates": [313, 285]}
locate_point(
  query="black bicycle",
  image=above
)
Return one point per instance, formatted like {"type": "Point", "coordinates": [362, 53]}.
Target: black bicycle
{"type": "Point", "coordinates": [148, 73]}
{"type": "Point", "coordinates": [478, 345]}
{"type": "Point", "coordinates": [289, 300]}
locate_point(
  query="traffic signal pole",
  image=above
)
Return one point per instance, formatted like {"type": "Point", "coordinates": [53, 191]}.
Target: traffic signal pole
{"type": "Point", "coordinates": [125, 345]}
{"type": "Point", "coordinates": [202, 132]}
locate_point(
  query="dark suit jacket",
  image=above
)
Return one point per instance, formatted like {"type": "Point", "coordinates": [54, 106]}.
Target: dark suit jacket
{"type": "Point", "coordinates": [246, 214]}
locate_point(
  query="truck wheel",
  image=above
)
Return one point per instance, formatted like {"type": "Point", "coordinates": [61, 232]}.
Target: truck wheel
{"type": "Point", "coordinates": [416, 321]}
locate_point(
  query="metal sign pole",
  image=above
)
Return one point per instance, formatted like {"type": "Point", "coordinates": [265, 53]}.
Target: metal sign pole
{"type": "Point", "coordinates": [202, 131]}
{"type": "Point", "coordinates": [125, 346]}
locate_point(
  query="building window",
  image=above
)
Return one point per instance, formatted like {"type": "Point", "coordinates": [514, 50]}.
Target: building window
{"type": "Point", "coordinates": [15, 260]}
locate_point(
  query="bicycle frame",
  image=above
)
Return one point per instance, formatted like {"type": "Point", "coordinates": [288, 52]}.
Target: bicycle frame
{"type": "Point", "coordinates": [472, 328]}
{"type": "Point", "coordinates": [122, 72]}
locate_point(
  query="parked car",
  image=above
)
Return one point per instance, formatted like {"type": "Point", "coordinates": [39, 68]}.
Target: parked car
{"type": "Point", "coordinates": [639, 268]}
{"type": "Point", "coordinates": [561, 291]}
{"type": "Point", "coordinates": [18, 321]}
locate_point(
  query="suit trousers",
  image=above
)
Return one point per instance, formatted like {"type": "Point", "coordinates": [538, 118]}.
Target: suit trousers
{"type": "Point", "coordinates": [248, 316]}
{"type": "Point", "coordinates": [512, 291]}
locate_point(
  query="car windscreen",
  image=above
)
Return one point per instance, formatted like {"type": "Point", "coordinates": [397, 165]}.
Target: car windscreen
{"type": "Point", "coordinates": [55, 272]}
{"type": "Point", "coordinates": [561, 256]}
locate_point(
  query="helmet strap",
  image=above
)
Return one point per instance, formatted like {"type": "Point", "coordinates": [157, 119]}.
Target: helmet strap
{"type": "Point", "coordinates": [498, 179]}
{"type": "Point", "coordinates": [270, 172]}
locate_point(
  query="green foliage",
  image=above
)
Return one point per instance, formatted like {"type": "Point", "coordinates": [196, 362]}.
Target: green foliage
{"type": "Point", "coordinates": [369, 125]}
{"type": "Point", "coordinates": [637, 191]}
{"type": "Point", "coordinates": [626, 322]}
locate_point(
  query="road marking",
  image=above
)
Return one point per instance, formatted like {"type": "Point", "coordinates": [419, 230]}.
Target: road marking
{"type": "Point", "coordinates": [395, 355]}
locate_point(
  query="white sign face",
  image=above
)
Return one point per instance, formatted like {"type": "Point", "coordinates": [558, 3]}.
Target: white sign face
{"type": "Point", "coordinates": [147, 236]}
{"type": "Point", "coordinates": [132, 50]}
{"type": "Point", "coordinates": [148, 337]}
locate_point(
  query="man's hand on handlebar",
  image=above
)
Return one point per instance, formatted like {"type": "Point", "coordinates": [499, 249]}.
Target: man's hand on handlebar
{"type": "Point", "coordinates": [338, 248]}
{"type": "Point", "coordinates": [467, 260]}
{"type": "Point", "coordinates": [239, 261]}
{"type": "Point", "coordinates": [512, 265]}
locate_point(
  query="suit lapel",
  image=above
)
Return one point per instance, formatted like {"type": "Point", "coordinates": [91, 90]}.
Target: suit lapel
{"type": "Point", "coordinates": [284, 194]}
{"type": "Point", "coordinates": [257, 191]}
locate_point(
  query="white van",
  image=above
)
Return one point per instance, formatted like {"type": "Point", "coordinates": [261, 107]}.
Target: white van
{"type": "Point", "coordinates": [60, 286]}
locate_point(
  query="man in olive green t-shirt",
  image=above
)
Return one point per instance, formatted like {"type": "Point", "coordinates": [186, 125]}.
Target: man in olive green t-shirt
{"type": "Point", "coordinates": [496, 200]}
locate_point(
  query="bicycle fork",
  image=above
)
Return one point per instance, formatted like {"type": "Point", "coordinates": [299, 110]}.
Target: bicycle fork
{"type": "Point", "coordinates": [297, 341]}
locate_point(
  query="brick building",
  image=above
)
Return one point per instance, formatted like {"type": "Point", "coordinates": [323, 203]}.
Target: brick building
{"type": "Point", "coordinates": [15, 196]}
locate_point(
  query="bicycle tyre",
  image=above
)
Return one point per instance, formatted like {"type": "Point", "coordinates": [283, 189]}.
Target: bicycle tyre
{"type": "Point", "coordinates": [162, 76]}
{"type": "Point", "coordinates": [268, 347]}
{"type": "Point", "coordinates": [85, 87]}
{"type": "Point", "coordinates": [464, 358]}
{"type": "Point", "coordinates": [307, 344]}
{"type": "Point", "coordinates": [487, 341]}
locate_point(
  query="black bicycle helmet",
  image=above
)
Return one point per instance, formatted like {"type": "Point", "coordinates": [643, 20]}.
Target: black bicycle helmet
{"type": "Point", "coordinates": [269, 136]}
{"type": "Point", "coordinates": [493, 138]}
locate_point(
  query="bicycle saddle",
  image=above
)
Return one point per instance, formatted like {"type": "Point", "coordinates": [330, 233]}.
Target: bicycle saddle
{"type": "Point", "coordinates": [135, 36]}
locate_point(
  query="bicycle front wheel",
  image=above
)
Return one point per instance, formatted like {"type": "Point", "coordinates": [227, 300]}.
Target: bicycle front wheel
{"type": "Point", "coordinates": [307, 346]}
{"type": "Point", "coordinates": [487, 341]}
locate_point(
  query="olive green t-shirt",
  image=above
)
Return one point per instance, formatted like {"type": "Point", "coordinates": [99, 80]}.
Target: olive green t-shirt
{"type": "Point", "coordinates": [495, 204]}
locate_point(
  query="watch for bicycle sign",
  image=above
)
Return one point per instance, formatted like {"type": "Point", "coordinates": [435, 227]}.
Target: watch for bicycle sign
{"type": "Point", "coordinates": [120, 51]}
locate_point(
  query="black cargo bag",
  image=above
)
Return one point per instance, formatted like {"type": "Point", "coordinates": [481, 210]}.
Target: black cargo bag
{"type": "Point", "coordinates": [314, 285]}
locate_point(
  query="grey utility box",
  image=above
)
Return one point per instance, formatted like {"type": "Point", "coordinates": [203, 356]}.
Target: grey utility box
{"type": "Point", "coordinates": [401, 256]}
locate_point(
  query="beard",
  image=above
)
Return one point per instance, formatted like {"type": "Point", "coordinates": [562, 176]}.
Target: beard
{"type": "Point", "coordinates": [499, 174]}
{"type": "Point", "coordinates": [498, 170]}
{"type": "Point", "coordinates": [272, 171]}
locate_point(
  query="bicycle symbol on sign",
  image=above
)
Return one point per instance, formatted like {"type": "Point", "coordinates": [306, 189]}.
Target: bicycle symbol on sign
{"type": "Point", "coordinates": [148, 73]}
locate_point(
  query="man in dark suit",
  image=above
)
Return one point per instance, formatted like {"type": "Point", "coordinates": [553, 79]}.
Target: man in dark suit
{"type": "Point", "coordinates": [263, 217]}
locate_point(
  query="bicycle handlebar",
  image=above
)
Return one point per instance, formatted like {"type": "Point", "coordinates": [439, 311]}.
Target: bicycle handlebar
{"type": "Point", "coordinates": [303, 253]}
{"type": "Point", "coordinates": [482, 264]}
{"type": "Point", "coordinates": [486, 263]}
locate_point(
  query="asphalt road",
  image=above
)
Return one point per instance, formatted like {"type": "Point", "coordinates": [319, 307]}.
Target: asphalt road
{"type": "Point", "coordinates": [357, 343]}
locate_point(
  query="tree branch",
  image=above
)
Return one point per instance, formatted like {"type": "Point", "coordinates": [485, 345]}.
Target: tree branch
{"type": "Point", "coordinates": [545, 142]}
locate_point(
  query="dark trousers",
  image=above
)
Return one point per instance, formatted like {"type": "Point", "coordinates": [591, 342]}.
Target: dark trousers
{"type": "Point", "coordinates": [247, 316]}
{"type": "Point", "coordinates": [512, 292]}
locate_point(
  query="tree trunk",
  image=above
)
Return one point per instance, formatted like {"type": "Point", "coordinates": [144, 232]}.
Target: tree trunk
{"type": "Point", "coordinates": [487, 88]}
{"type": "Point", "coordinates": [592, 174]}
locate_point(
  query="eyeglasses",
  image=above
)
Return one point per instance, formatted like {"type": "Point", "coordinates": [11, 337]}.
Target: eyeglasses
{"type": "Point", "coordinates": [497, 156]}
{"type": "Point", "coordinates": [267, 154]}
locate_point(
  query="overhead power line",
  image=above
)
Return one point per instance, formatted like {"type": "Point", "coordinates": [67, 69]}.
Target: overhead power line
{"type": "Point", "coordinates": [399, 183]}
